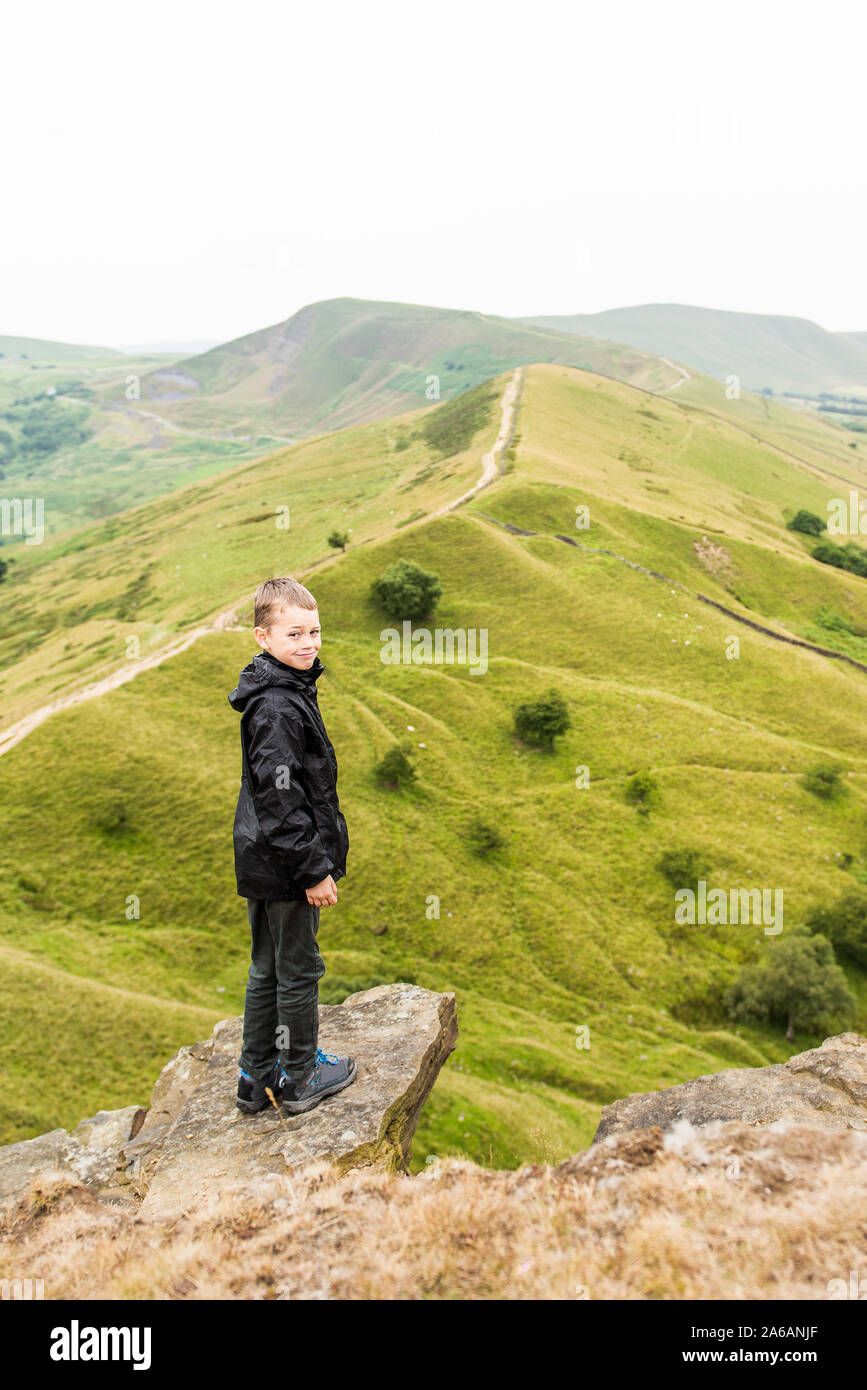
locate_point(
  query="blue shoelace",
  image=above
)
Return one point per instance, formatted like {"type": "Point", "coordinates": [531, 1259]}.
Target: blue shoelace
{"type": "Point", "coordinates": [325, 1057]}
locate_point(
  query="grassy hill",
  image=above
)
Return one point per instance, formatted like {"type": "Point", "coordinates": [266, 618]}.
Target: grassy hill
{"type": "Point", "coordinates": [346, 361]}
{"type": "Point", "coordinates": [70, 435]}
{"type": "Point", "coordinates": [569, 923]}
{"type": "Point", "coordinates": [119, 430]}
{"type": "Point", "coordinates": [44, 351]}
{"type": "Point", "coordinates": [763, 350]}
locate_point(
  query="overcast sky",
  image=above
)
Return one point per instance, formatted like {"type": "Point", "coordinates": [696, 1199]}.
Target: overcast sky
{"type": "Point", "coordinates": [183, 170]}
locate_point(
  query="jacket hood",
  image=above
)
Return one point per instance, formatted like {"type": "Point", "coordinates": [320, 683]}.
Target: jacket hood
{"type": "Point", "coordinates": [265, 670]}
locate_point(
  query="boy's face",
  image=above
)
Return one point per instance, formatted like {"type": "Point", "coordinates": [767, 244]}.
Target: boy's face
{"type": "Point", "coordinates": [294, 637]}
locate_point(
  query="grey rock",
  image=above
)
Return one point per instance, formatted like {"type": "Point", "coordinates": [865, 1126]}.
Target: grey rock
{"type": "Point", "coordinates": [825, 1087]}
{"type": "Point", "coordinates": [195, 1141]}
{"type": "Point", "coordinates": [91, 1153]}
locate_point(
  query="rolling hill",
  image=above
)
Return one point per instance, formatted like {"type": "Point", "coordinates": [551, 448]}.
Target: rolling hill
{"type": "Point", "coordinates": [118, 430]}
{"type": "Point", "coordinates": [763, 350]}
{"type": "Point", "coordinates": [343, 362]}
{"type": "Point", "coordinates": [566, 924]}
{"type": "Point", "coordinates": [43, 350]}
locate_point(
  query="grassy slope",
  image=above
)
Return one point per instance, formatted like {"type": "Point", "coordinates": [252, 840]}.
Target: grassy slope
{"type": "Point", "coordinates": [331, 366]}
{"type": "Point", "coordinates": [571, 924]}
{"type": "Point", "coordinates": [165, 566]}
{"type": "Point", "coordinates": [128, 459]}
{"type": "Point", "coordinates": [44, 350]}
{"type": "Point", "coordinates": [344, 361]}
{"type": "Point", "coordinates": [784, 353]}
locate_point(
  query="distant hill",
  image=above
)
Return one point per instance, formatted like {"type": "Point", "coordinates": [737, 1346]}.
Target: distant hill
{"type": "Point", "coordinates": [343, 362]}
{"type": "Point", "coordinates": [43, 350]}
{"type": "Point", "coordinates": [763, 350]}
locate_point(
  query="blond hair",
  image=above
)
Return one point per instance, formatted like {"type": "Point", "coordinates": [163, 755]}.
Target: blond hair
{"type": "Point", "coordinates": [274, 594]}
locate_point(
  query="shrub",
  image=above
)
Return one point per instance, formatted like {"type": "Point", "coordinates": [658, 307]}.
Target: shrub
{"type": "Point", "coordinates": [823, 781]}
{"type": "Point", "coordinates": [844, 924]}
{"type": "Point", "coordinates": [407, 591]}
{"type": "Point", "coordinates": [683, 866]}
{"type": "Point", "coordinates": [797, 981]}
{"type": "Point", "coordinates": [807, 523]}
{"type": "Point", "coordinates": [338, 540]}
{"type": "Point", "coordinates": [394, 770]}
{"type": "Point", "coordinates": [849, 557]}
{"type": "Point", "coordinates": [642, 790]}
{"type": "Point", "coordinates": [541, 721]}
{"type": "Point", "coordinates": [484, 839]}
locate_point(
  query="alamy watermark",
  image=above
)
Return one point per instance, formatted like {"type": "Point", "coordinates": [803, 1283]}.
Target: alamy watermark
{"type": "Point", "coordinates": [17, 518]}
{"type": "Point", "coordinates": [717, 908]}
{"type": "Point", "coordinates": [419, 647]}
{"type": "Point", "coordinates": [847, 517]}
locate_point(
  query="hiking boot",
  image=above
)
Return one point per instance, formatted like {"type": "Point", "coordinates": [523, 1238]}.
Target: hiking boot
{"type": "Point", "coordinates": [329, 1075]}
{"type": "Point", "coordinates": [251, 1093]}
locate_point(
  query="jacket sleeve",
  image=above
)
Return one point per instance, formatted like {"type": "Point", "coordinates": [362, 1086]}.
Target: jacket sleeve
{"type": "Point", "coordinates": [275, 751]}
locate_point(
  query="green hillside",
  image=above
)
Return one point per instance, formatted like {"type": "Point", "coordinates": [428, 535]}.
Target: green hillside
{"type": "Point", "coordinates": [763, 350]}
{"type": "Point", "coordinates": [115, 431]}
{"type": "Point", "coordinates": [345, 361]}
{"type": "Point", "coordinates": [43, 351]}
{"type": "Point", "coordinates": [131, 796]}
{"type": "Point", "coordinates": [70, 435]}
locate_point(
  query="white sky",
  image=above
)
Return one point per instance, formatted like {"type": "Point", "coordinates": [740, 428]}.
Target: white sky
{"type": "Point", "coordinates": [197, 170]}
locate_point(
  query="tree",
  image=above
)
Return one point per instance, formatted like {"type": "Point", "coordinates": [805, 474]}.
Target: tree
{"type": "Point", "coordinates": [807, 523]}
{"type": "Point", "coordinates": [338, 539]}
{"type": "Point", "coordinates": [405, 590]}
{"type": "Point", "coordinates": [797, 981]}
{"type": "Point", "coordinates": [3, 568]}
{"type": "Point", "coordinates": [541, 721]}
{"type": "Point", "coordinates": [844, 923]}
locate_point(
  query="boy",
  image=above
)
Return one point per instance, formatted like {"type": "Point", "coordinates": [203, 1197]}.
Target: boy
{"type": "Point", "coordinates": [290, 845]}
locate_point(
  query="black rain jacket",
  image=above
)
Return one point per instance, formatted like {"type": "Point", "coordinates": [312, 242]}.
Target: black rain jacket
{"type": "Point", "coordinates": [289, 832]}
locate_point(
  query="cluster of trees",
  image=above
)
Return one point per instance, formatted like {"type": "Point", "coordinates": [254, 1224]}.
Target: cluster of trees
{"type": "Point", "coordinates": [45, 425]}
{"type": "Point", "coordinates": [849, 557]}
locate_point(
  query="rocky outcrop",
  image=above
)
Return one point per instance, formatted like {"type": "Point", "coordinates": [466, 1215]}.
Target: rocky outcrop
{"type": "Point", "coordinates": [193, 1139]}
{"type": "Point", "coordinates": [194, 1135]}
{"type": "Point", "coordinates": [825, 1088]}
{"type": "Point", "coordinates": [92, 1153]}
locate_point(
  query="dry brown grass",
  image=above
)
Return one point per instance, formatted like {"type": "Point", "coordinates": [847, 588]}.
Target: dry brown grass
{"type": "Point", "coordinates": [640, 1217]}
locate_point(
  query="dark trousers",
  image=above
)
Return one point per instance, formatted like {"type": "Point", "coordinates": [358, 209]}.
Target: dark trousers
{"type": "Point", "coordinates": [281, 1007]}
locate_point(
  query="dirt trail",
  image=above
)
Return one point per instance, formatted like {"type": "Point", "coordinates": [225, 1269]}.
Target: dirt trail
{"type": "Point", "coordinates": [490, 464]}
{"type": "Point", "coordinates": [684, 376]}
{"type": "Point", "coordinates": [228, 621]}
{"type": "Point", "coordinates": [16, 732]}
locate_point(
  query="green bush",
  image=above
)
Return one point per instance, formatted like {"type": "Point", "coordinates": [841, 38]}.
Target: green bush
{"type": "Point", "coordinates": [844, 924]}
{"type": "Point", "coordinates": [797, 982]}
{"type": "Point", "coordinates": [823, 781]}
{"type": "Point", "coordinates": [807, 523]}
{"type": "Point", "coordinates": [484, 839]}
{"type": "Point", "coordinates": [541, 721]}
{"type": "Point", "coordinates": [849, 557]}
{"type": "Point", "coordinates": [406, 591]}
{"type": "Point", "coordinates": [642, 790]}
{"type": "Point", "coordinates": [394, 770]}
{"type": "Point", "coordinates": [683, 867]}
{"type": "Point", "coordinates": [338, 540]}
